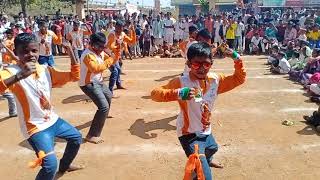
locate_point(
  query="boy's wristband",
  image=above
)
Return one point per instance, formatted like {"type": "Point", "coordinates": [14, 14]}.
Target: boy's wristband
{"type": "Point", "coordinates": [184, 93]}
{"type": "Point", "coordinates": [235, 55]}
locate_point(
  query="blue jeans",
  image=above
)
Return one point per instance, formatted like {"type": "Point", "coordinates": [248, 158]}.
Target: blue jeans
{"type": "Point", "coordinates": [101, 97]}
{"type": "Point", "coordinates": [11, 103]}
{"type": "Point", "coordinates": [80, 53]}
{"type": "Point", "coordinates": [44, 141]}
{"type": "Point", "coordinates": [115, 76]}
{"type": "Point", "coordinates": [207, 145]}
{"type": "Point", "coordinates": [314, 44]}
{"type": "Point", "coordinates": [47, 60]}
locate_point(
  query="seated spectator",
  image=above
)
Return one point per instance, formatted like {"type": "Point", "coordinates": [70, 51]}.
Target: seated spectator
{"type": "Point", "coordinates": [314, 37]}
{"type": "Point", "coordinates": [304, 54]}
{"type": "Point", "coordinates": [256, 43]}
{"type": "Point", "coordinates": [294, 59]}
{"type": "Point", "coordinates": [274, 54]}
{"type": "Point", "coordinates": [173, 51]}
{"type": "Point", "coordinates": [283, 66]}
{"type": "Point", "coordinates": [312, 67]}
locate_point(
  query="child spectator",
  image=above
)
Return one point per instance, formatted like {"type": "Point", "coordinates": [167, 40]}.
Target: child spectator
{"type": "Point", "coordinates": [256, 42]}
{"type": "Point", "coordinates": [283, 67]}
{"type": "Point", "coordinates": [146, 35]}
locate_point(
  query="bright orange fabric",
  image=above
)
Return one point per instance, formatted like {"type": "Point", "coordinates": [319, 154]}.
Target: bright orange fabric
{"type": "Point", "coordinates": [194, 164]}
{"type": "Point", "coordinates": [38, 162]}
{"type": "Point", "coordinates": [60, 78]}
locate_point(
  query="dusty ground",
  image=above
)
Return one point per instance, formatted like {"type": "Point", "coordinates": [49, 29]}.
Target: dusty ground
{"type": "Point", "coordinates": [141, 142]}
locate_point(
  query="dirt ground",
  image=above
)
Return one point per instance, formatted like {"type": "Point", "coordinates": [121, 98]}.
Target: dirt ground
{"type": "Point", "coordinates": [141, 142]}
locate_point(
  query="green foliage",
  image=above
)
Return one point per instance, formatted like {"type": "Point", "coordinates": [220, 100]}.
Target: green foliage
{"type": "Point", "coordinates": [204, 5]}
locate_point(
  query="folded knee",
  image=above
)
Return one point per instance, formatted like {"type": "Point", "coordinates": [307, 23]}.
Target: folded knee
{"type": "Point", "coordinates": [50, 164]}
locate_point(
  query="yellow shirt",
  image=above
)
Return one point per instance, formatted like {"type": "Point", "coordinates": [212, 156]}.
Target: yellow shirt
{"type": "Point", "coordinates": [231, 31]}
{"type": "Point", "coordinates": [314, 35]}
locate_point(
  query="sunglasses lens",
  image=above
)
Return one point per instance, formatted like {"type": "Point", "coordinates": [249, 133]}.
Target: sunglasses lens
{"type": "Point", "coordinates": [195, 65]}
{"type": "Point", "coordinates": [206, 65]}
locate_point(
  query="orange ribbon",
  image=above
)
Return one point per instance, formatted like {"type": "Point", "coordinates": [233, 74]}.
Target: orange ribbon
{"type": "Point", "coordinates": [38, 162]}
{"type": "Point", "coordinates": [194, 164]}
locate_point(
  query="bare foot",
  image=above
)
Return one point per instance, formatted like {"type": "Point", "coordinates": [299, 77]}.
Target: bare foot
{"type": "Point", "coordinates": [75, 168]}
{"type": "Point", "coordinates": [214, 165]}
{"type": "Point", "coordinates": [94, 140]}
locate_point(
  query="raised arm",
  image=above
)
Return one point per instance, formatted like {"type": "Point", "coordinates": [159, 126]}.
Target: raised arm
{"type": "Point", "coordinates": [227, 83]}
{"type": "Point", "coordinates": [60, 78]}
{"type": "Point", "coordinates": [168, 92]}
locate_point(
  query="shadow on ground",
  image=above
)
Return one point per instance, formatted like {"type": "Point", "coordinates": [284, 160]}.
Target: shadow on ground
{"type": "Point", "coordinates": [76, 99]}
{"type": "Point", "coordinates": [166, 78]}
{"type": "Point", "coordinates": [141, 128]}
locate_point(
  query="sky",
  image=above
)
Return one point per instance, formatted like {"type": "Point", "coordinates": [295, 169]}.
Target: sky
{"type": "Point", "coordinates": [164, 3]}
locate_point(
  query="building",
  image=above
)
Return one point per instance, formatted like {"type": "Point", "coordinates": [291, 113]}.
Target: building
{"type": "Point", "coordinates": [192, 7]}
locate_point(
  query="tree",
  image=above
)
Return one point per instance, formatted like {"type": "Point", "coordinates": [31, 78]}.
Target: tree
{"type": "Point", "coordinates": [23, 4]}
{"type": "Point", "coordinates": [204, 5]}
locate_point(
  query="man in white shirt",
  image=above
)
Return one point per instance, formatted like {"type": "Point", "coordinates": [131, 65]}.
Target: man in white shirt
{"type": "Point", "coordinates": [179, 29]}
{"type": "Point", "coordinates": [239, 38]}
{"type": "Point", "coordinates": [216, 26]}
{"type": "Point", "coordinates": [186, 27]}
{"type": "Point", "coordinates": [168, 29]}
{"type": "Point", "coordinates": [157, 31]}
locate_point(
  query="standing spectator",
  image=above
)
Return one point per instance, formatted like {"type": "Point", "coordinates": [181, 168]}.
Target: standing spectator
{"type": "Point", "coordinates": [208, 23]}
{"type": "Point", "coordinates": [230, 35]}
{"type": "Point", "coordinates": [146, 41]}
{"type": "Point", "coordinates": [217, 25]}
{"type": "Point", "coordinates": [239, 36]}
{"type": "Point", "coordinates": [157, 31]}
{"type": "Point", "coordinates": [179, 29]}
{"type": "Point", "coordinates": [168, 29]}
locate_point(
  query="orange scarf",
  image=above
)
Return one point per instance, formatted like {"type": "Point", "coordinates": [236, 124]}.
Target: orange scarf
{"type": "Point", "coordinates": [194, 164]}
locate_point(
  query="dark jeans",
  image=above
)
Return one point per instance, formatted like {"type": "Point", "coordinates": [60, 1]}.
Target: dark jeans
{"type": "Point", "coordinates": [80, 53]}
{"type": "Point", "coordinates": [46, 60]}
{"type": "Point", "coordinates": [115, 76]}
{"type": "Point", "coordinates": [207, 145]}
{"type": "Point", "coordinates": [101, 97]}
{"type": "Point", "coordinates": [44, 141]}
{"type": "Point", "coordinates": [146, 48]}
{"type": "Point", "coordinates": [231, 43]}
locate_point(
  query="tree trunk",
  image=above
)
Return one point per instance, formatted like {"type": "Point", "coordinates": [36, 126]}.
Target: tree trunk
{"type": "Point", "coordinates": [23, 4]}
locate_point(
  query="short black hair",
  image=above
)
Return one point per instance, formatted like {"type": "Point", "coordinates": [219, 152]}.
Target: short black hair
{"type": "Point", "coordinates": [193, 29]}
{"type": "Point", "coordinates": [204, 33]}
{"type": "Point", "coordinates": [200, 49]}
{"type": "Point", "coordinates": [98, 37]}
{"type": "Point", "coordinates": [9, 31]}
{"type": "Point", "coordinates": [119, 23]}
{"type": "Point", "coordinates": [23, 39]}
{"type": "Point", "coordinates": [317, 50]}
{"type": "Point", "coordinates": [42, 23]}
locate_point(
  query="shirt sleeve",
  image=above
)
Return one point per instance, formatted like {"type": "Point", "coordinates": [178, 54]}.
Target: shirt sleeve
{"type": "Point", "coordinates": [4, 74]}
{"type": "Point", "coordinates": [132, 39]}
{"type": "Point", "coordinates": [92, 64]}
{"type": "Point", "coordinates": [57, 38]}
{"type": "Point", "coordinates": [60, 78]}
{"type": "Point", "coordinates": [168, 92]}
{"type": "Point", "coordinates": [227, 83]}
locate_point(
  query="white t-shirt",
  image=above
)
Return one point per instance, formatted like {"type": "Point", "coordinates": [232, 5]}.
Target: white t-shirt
{"type": "Point", "coordinates": [240, 29]}
{"type": "Point", "coordinates": [256, 40]}
{"type": "Point", "coordinates": [284, 66]}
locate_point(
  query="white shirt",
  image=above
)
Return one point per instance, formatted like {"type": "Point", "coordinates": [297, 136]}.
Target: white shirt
{"type": "Point", "coordinates": [302, 37]}
{"type": "Point", "coordinates": [256, 40]}
{"type": "Point", "coordinates": [217, 25]}
{"type": "Point", "coordinates": [240, 29]}
{"type": "Point", "coordinates": [302, 21]}
{"type": "Point", "coordinates": [168, 22]}
{"type": "Point", "coordinates": [284, 66]}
